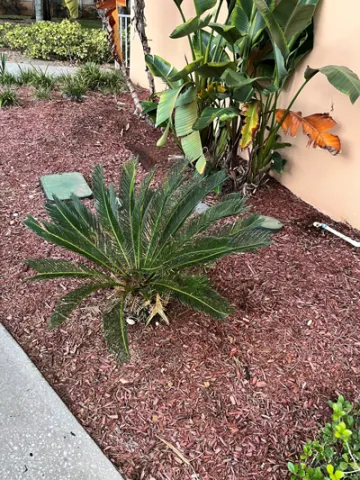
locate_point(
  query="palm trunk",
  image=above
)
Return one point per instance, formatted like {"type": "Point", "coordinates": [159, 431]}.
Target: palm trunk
{"type": "Point", "coordinates": [140, 26]}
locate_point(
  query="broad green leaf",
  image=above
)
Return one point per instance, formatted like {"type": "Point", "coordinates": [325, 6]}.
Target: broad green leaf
{"type": "Point", "coordinates": [229, 32]}
{"type": "Point", "coordinates": [73, 7]}
{"type": "Point", "coordinates": [191, 26]}
{"type": "Point", "coordinates": [275, 31]}
{"type": "Point", "coordinates": [215, 69]}
{"type": "Point", "coordinates": [202, 5]}
{"type": "Point", "coordinates": [115, 331]}
{"type": "Point", "coordinates": [167, 105]}
{"type": "Point", "coordinates": [162, 140]}
{"type": "Point", "coordinates": [190, 68]}
{"type": "Point", "coordinates": [67, 304]}
{"type": "Point", "coordinates": [217, 46]}
{"type": "Point", "coordinates": [209, 114]}
{"type": "Point", "coordinates": [201, 165]}
{"type": "Point", "coordinates": [192, 146]}
{"type": "Point", "coordinates": [240, 19]}
{"type": "Point", "coordinates": [294, 16]}
{"type": "Point", "coordinates": [185, 116]}
{"type": "Point", "coordinates": [238, 80]}
{"type": "Point", "coordinates": [344, 80]}
{"type": "Point", "coordinates": [187, 96]}
{"type": "Point", "coordinates": [251, 124]}
{"type": "Point", "coordinates": [148, 107]}
{"type": "Point", "coordinates": [161, 68]}
{"type": "Point", "coordinates": [281, 72]}
{"type": "Point", "coordinates": [243, 94]}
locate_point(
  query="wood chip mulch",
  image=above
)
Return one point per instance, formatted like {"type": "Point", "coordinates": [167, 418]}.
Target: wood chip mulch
{"type": "Point", "coordinates": [199, 399]}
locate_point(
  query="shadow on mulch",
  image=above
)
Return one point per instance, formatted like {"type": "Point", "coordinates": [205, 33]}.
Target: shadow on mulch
{"type": "Point", "coordinates": [236, 398]}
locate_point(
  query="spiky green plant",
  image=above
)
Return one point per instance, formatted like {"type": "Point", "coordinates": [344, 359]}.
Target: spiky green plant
{"type": "Point", "coordinates": [73, 87]}
{"type": "Point", "coordinates": [36, 77]}
{"type": "Point", "coordinates": [145, 244]}
{"type": "Point", "coordinates": [8, 98]}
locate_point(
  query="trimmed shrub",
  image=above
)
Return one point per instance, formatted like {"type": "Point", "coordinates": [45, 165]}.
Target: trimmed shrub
{"type": "Point", "coordinates": [66, 40]}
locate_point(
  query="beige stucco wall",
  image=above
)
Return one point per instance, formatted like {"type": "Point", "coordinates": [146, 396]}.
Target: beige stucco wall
{"type": "Point", "coordinates": [331, 184]}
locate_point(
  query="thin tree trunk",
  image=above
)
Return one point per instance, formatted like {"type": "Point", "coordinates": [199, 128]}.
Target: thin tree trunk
{"type": "Point", "coordinates": [136, 100]}
{"type": "Point", "coordinates": [140, 26]}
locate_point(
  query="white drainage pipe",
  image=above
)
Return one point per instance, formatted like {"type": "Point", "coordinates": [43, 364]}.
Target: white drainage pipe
{"type": "Point", "coordinates": [354, 243]}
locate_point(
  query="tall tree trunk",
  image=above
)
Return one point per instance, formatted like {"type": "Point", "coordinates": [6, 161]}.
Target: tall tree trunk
{"type": "Point", "coordinates": [140, 26]}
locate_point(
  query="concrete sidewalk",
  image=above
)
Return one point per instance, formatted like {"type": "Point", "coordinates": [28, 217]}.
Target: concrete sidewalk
{"type": "Point", "coordinates": [15, 68]}
{"type": "Point", "coordinates": [39, 438]}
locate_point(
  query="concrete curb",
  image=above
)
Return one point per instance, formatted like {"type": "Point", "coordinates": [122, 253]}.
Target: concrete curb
{"type": "Point", "coordinates": [39, 437]}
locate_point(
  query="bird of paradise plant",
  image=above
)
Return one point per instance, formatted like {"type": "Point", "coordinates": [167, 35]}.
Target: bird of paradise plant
{"type": "Point", "coordinates": [225, 100]}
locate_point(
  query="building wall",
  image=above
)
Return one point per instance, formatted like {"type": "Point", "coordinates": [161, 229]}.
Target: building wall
{"type": "Point", "coordinates": [331, 184]}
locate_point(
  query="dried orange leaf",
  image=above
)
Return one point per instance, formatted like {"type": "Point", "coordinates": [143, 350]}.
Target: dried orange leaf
{"type": "Point", "coordinates": [315, 126]}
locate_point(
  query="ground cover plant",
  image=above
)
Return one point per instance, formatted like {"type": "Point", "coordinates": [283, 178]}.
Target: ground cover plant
{"type": "Point", "coordinates": [146, 242]}
{"type": "Point", "coordinates": [337, 454]}
{"type": "Point", "coordinates": [226, 97]}
{"type": "Point", "coordinates": [90, 77]}
{"type": "Point", "coordinates": [66, 40]}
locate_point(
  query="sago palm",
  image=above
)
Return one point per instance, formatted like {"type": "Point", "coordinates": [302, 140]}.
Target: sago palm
{"type": "Point", "coordinates": [144, 244]}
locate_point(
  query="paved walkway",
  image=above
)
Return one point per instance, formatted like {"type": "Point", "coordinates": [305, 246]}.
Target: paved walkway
{"type": "Point", "coordinates": [14, 68]}
{"type": "Point", "coordinates": [39, 438]}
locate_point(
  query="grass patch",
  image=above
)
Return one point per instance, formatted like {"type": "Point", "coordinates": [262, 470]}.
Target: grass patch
{"type": "Point", "coordinates": [73, 87]}
{"type": "Point", "coordinates": [8, 98]}
{"type": "Point", "coordinates": [36, 77]}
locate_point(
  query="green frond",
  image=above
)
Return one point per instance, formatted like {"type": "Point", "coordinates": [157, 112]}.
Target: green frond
{"type": "Point", "coordinates": [72, 241]}
{"type": "Point", "coordinates": [195, 191]}
{"type": "Point", "coordinates": [232, 204]}
{"type": "Point", "coordinates": [115, 332]}
{"type": "Point", "coordinates": [156, 213]}
{"type": "Point", "coordinates": [67, 304]}
{"type": "Point", "coordinates": [127, 206]}
{"type": "Point", "coordinates": [53, 268]}
{"type": "Point", "coordinates": [195, 291]}
{"type": "Point", "coordinates": [107, 209]}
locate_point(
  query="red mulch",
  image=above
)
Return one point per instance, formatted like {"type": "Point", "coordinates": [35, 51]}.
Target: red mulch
{"type": "Point", "coordinates": [237, 398]}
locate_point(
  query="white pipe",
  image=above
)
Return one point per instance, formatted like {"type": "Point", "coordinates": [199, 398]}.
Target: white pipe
{"type": "Point", "coordinates": [354, 243]}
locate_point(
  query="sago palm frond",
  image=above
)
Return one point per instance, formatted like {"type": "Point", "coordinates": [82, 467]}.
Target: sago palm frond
{"type": "Point", "coordinates": [141, 241]}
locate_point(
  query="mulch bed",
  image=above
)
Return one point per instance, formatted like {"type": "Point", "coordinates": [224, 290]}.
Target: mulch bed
{"type": "Point", "coordinates": [237, 398]}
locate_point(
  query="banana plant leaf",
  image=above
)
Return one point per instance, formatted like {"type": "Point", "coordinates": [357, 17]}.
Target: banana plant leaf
{"type": "Point", "coordinates": [209, 114]}
{"type": "Point", "coordinates": [113, 24]}
{"type": "Point", "coordinates": [73, 8]}
{"type": "Point", "coordinates": [342, 78]}
{"type": "Point", "coordinates": [191, 26]}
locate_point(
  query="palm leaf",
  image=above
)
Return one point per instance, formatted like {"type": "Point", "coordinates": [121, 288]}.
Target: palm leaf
{"type": "Point", "coordinates": [195, 291]}
{"type": "Point", "coordinates": [107, 208]}
{"type": "Point", "coordinates": [67, 304]}
{"type": "Point", "coordinates": [72, 241]}
{"type": "Point", "coordinates": [53, 268]}
{"type": "Point", "coordinates": [115, 331]}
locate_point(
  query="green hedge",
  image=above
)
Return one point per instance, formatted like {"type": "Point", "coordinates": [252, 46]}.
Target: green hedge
{"type": "Point", "coordinates": [64, 41]}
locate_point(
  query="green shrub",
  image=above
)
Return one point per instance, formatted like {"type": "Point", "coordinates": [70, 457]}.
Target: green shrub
{"type": "Point", "coordinates": [8, 98]}
{"type": "Point", "coordinates": [66, 41]}
{"type": "Point", "coordinates": [73, 87]}
{"type": "Point", "coordinates": [42, 92]}
{"type": "Point", "coordinates": [337, 454]}
{"type": "Point", "coordinates": [145, 244]}
{"type": "Point", "coordinates": [106, 81]}
{"type": "Point", "coordinates": [36, 78]}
